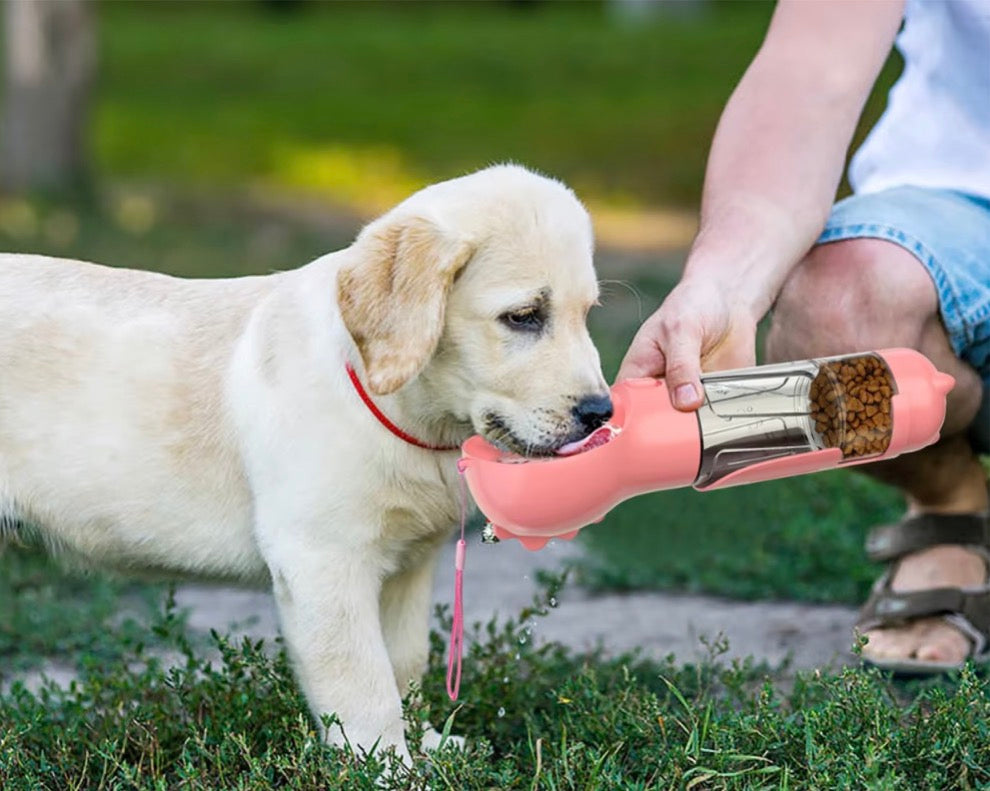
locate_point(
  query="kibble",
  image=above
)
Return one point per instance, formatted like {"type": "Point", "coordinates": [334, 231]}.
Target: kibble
{"type": "Point", "coordinates": [850, 404]}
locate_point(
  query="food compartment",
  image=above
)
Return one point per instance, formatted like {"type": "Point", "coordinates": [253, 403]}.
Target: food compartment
{"type": "Point", "coordinates": [850, 404]}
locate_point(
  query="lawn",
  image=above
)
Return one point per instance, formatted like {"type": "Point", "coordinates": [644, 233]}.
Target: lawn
{"type": "Point", "coordinates": [543, 718]}
{"type": "Point", "coordinates": [361, 101]}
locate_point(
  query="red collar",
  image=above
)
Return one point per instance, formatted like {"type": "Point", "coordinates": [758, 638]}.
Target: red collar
{"type": "Point", "coordinates": [385, 421]}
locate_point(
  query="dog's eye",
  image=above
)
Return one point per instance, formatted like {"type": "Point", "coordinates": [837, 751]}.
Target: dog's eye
{"type": "Point", "coordinates": [526, 319]}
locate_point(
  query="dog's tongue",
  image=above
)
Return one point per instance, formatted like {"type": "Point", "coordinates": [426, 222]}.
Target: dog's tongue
{"type": "Point", "coordinates": [593, 440]}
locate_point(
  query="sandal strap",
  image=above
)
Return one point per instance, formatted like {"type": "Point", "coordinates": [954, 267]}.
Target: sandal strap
{"type": "Point", "coordinates": [890, 542]}
{"type": "Point", "coordinates": [887, 608]}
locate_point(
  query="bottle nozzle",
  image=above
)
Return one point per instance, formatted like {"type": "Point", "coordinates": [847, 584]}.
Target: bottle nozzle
{"type": "Point", "coordinates": [943, 383]}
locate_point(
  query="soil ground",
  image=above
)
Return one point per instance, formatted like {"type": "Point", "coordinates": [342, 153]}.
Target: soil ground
{"type": "Point", "coordinates": [501, 579]}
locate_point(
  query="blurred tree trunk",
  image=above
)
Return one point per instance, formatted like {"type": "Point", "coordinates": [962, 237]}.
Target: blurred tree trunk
{"type": "Point", "coordinates": [50, 61]}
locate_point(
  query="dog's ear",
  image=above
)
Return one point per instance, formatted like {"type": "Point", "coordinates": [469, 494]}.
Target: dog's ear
{"type": "Point", "coordinates": [393, 297]}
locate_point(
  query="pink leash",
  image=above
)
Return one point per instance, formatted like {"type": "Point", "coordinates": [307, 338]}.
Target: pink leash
{"type": "Point", "coordinates": [457, 624]}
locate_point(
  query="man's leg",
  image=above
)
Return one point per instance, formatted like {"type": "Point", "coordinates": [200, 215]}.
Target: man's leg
{"type": "Point", "coordinates": [865, 294]}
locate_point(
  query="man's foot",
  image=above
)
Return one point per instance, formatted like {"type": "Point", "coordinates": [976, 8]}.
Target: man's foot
{"type": "Point", "coordinates": [929, 639]}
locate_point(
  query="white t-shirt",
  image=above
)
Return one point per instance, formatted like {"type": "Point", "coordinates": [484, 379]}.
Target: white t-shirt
{"type": "Point", "coordinates": [935, 131]}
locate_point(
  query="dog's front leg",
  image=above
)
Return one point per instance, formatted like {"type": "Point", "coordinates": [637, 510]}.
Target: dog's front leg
{"type": "Point", "coordinates": [405, 618]}
{"type": "Point", "coordinates": [328, 607]}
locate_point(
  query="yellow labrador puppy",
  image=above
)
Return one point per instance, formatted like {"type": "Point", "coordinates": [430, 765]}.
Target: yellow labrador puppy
{"type": "Point", "coordinates": [217, 428]}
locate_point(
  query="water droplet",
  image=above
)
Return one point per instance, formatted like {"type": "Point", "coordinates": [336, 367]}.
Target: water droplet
{"type": "Point", "coordinates": [517, 657]}
{"type": "Point", "coordinates": [553, 601]}
{"type": "Point", "coordinates": [501, 711]}
{"type": "Point", "coordinates": [505, 679]}
{"type": "Point", "coordinates": [522, 640]}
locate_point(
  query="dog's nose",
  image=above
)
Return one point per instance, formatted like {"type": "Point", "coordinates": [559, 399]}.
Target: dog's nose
{"type": "Point", "coordinates": [592, 411]}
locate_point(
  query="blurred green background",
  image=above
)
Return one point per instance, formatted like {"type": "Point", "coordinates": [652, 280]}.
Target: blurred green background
{"type": "Point", "coordinates": [363, 102]}
{"type": "Point", "coordinates": [242, 137]}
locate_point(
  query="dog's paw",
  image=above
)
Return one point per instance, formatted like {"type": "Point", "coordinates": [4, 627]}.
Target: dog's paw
{"type": "Point", "coordinates": [433, 740]}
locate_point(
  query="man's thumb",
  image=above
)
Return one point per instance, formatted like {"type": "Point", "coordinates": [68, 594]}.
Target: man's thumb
{"type": "Point", "coordinates": [683, 377]}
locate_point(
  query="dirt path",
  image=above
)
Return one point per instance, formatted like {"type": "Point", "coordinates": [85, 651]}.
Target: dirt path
{"type": "Point", "coordinates": [501, 579]}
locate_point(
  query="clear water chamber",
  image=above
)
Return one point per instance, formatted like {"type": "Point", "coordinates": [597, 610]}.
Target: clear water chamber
{"type": "Point", "coordinates": [754, 415]}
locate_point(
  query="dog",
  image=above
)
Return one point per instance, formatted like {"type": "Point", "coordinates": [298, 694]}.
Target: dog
{"type": "Point", "coordinates": [300, 429]}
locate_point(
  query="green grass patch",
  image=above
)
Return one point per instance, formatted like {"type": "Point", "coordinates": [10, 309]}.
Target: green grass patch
{"type": "Point", "coordinates": [543, 718]}
{"type": "Point", "coordinates": [800, 538]}
{"type": "Point", "coordinates": [183, 233]}
{"type": "Point", "coordinates": [361, 101]}
{"type": "Point", "coordinates": [49, 612]}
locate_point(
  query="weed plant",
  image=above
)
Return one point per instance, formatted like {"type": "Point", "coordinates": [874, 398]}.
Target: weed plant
{"type": "Point", "coordinates": [538, 717]}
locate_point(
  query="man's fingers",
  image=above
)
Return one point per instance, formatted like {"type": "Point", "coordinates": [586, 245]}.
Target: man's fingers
{"type": "Point", "coordinates": [643, 358]}
{"type": "Point", "coordinates": [638, 365]}
{"type": "Point", "coordinates": [683, 372]}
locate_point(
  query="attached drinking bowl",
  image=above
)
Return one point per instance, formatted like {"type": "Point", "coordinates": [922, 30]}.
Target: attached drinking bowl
{"type": "Point", "coordinates": [539, 499]}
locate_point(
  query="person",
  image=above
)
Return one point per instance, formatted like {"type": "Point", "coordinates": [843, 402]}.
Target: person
{"type": "Point", "coordinates": [904, 261]}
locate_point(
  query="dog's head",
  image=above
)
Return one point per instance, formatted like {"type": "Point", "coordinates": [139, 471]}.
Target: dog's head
{"type": "Point", "coordinates": [479, 288]}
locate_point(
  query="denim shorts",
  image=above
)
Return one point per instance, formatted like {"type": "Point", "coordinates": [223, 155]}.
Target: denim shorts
{"type": "Point", "coordinates": [949, 233]}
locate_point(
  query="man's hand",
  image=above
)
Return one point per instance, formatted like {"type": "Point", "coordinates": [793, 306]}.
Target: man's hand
{"type": "Point", "coordinates": [772, 174]}
{"type": "Point", "coordinates": [695, 329]}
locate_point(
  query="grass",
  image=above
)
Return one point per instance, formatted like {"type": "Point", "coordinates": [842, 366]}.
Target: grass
{"type": "Point", "coordinates": [361, 102]}
{"type": "Point", "coordinates": [799, 538]}
{"type": "Point", "coordinates": [543, 718]}
{"type": "Point", "coordinates": [183, 233]}
{"type": "Point", "coordinates": [49, 612]}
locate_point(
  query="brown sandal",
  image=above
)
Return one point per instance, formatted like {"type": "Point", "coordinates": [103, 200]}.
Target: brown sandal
{"type": "Point", "coordinates": [967, 609]}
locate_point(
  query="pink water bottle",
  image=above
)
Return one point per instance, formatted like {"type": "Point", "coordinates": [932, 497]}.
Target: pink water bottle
{"type": "Point", "coordinates": [755, 424]}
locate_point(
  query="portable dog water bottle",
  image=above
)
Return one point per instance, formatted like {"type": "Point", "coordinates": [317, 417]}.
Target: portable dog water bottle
{"type": "Point", "coordinates": [755, 424]}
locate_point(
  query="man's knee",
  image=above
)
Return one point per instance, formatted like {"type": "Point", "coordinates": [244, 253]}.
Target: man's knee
{"type": "Point", "coordinates": [848, 296]}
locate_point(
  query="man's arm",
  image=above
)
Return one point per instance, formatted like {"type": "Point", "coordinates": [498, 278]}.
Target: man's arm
{"type": "Point", "coordinates": [773, 170]}
{"type": "Point", "coordinates": [778, 153]}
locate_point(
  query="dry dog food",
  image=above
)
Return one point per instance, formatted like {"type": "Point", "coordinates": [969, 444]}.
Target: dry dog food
{"type": "Point", "coordinates": [850, 404]}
